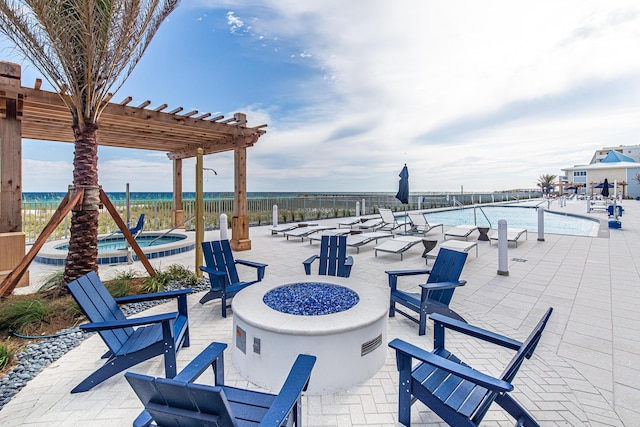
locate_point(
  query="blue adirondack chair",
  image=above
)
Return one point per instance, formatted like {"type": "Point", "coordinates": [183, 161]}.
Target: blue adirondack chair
{"type": "Point", "coordinates": [333, 257]}
{"type": "Point", "coordinates": [457, 393]}
{"type": "Point", "coordinates": [435, 295]}
{"type": "Point", "coordinates": [163, 334]}
{"type": "Point", "coordinates": [223, 275]}
{"type": "Point", "coordinates": [181, 402]}
{"type": "Point", "coordinates": [138, 228]}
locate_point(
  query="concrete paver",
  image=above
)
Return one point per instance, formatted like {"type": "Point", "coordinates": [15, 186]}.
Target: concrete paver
{"type": "Point", "coordinates": [585, 372]}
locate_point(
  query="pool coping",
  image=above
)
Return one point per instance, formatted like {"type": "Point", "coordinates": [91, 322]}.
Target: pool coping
{"type": "Point", "coordinates": [52, 256]}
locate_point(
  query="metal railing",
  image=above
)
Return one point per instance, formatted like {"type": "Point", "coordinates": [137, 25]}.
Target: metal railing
{"type": "Point", "coordinates": [35, 215]}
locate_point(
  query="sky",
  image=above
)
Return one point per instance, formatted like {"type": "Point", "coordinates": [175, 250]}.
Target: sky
{"type": "Point", "coordinates": [472, 96]}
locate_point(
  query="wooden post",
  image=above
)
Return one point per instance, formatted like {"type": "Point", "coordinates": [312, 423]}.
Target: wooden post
{"type": "Point", "coordinates": [240, 221]}
{"type": "Point", "coordinates": [178, 212]}
{"type": "Point", "coordinates": [12, 239]}
{"type": "Point", "coordinates": [199, 220]}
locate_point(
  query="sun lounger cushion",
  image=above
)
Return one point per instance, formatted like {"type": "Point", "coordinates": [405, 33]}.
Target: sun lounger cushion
{"type": "Point", "coordinates": [513, 234]}
{"type": "Point", "coordinates": [460, 231]}
{"type": "Point", "coordinates": [397, 245]}
{"type": "Point", "coordinates": [303, 232]}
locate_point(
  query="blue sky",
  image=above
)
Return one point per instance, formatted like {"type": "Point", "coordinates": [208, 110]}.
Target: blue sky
{"type": "Point", "coordinates": [471, 95]}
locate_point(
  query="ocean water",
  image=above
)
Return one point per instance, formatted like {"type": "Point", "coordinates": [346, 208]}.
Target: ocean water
{"type": "Point", "coordinates": [168, 196]}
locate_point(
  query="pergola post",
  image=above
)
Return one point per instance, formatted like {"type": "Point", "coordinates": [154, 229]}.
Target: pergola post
{"type": "Point", "coordinates": [240, 222]}
{"type": "Point", "coordinates": [177, 216]}
{"type": "Point", "coordinates": [12, 238]}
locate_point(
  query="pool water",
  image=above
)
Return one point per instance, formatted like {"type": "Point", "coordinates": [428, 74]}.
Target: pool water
{"type": "Point", "coordinates": [517, 217]}
{"type": "Point", "coordinates": [118, 243]}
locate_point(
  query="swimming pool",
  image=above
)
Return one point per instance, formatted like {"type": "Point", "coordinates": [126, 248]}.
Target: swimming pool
{"type": "Point", "coordinates": [112, 249]}
{"type": "Point", "coordinates": [518, 217]}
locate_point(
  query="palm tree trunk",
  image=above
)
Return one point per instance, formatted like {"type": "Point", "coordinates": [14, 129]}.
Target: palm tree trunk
{"type": "Point", "coordinates": [83, 244]}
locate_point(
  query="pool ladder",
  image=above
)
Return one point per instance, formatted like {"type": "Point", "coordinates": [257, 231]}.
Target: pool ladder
{"type": "Point", "coordinates": [475, 218]}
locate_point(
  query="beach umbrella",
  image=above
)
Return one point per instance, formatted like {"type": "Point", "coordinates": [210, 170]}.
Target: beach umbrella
{"type": "Point", "coordinates": [403, 188]}
{"type": "Point", "coordinates": [605, 188]}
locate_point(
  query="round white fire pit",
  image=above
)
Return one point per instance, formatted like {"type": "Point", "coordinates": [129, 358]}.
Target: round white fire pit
{"type": "Point", "coordinates": [340, 321]}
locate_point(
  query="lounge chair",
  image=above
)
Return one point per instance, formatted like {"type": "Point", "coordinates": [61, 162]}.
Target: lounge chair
{"type": "Point", "coordinates": [513, 234]}
{"type": "Point", "coordinates": [137, 229]}
{"type": "Point", "coordinates": [316, 237]}
{"type": "Point", "coordinates": [397, 245]}
{"type": "Point", "coordinates": [158, 334]}
{"type": "Point", "coordinates": [183, 402]}
{"type": "Point", "coordinates": [419, 223]}
{"type": "Point", "coordinates": [349, 222]}
{"type": "Point", "coordinates": [453, 390]}
{"type": "Point", "coordinates": [459, 245]}
{"type": "Point", "coordinates": [389, 221]}
{"type": "Point", "coordinates": [303, 232]}
{"type": "Point", "coordinates": [460, 231]}
{"type": "Point", "coordinates": [223, 275]}
{"type": "Point", "coordinates": [370, 224]}
{"type": "Point", "coordinates": [333, 259]}
{"type": "Point", "coordinates": [283, 227]}
{"type": "Point", "coordinates": [358, 240]}
{"type": "Point", "coordinates": [435, 295]}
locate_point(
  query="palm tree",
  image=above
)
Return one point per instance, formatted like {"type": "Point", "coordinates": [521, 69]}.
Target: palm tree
{"type": "Point", "coordinates": [546, 181]}
{"type": "Point", "coordinates": [86, 49]}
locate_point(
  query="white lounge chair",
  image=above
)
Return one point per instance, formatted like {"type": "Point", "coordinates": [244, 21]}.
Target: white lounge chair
{"type": "Point", "coordinates": [513, 234]}
{"type": "Point", "coordinates": [389, 221]}
{"type": "Point", "coordinates": [282, 228]}
{"type": "Point", "coordinates": [358, 240]}
{"type": "Point", "coordinates": [303, 232]}
{"type": "Point", "coordinates": [349, 222]}
{"type": "Point", "coordinates": [419, 223]}
{"type": "Point", "coordinates": [397, 245]}
{"type": "Point", "coordinates": [369, 224]}
{"type": "Point", "coordinates": [460, 231]}
{"type": "Point", "coordinates": [454, 245]}
{"type": "Point", "coordinates": [328, 232]}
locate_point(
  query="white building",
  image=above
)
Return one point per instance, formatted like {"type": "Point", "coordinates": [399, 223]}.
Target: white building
{"type": "Point", "coordinates": [614, 166]}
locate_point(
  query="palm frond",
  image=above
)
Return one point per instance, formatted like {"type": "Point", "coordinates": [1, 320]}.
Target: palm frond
{"type": "Point", "coordinates": [84, 48]}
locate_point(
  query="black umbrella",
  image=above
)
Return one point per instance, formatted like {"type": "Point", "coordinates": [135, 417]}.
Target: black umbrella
{"type": "Point", "coordinates": [403, 189]}
{"type": "Point", "coordinates": [605, 188]}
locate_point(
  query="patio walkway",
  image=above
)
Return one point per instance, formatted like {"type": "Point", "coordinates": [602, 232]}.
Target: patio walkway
{"type": "Point", "coordinates": [585, 372]}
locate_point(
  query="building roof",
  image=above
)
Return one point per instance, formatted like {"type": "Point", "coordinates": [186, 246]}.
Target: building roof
{"type": "Point", "coordinates": [616, 157]}
{"type": "Point", "coordinates": [601, 165]}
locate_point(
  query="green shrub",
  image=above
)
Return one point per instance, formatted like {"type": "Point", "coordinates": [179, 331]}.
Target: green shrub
{"type": "Point", "coordinates": [120, 285]}
{"type": "Point", "coordinates": [53, 281]}
{"type": "Point", "coordinates": [164, 277]}
{"type": "Point", "coordinates": [6, 354]}
{"type": "Point", "coordinates": [18, 314]}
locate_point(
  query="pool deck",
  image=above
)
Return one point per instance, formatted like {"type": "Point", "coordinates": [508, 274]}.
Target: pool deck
{"type": "Point", "coordinates": [585, 372]}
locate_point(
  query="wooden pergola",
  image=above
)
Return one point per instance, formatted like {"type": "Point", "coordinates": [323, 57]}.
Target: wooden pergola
{"type": "Point", "coordinates": [33, 113]}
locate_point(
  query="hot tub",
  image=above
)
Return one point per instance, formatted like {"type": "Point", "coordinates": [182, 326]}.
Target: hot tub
{"type": "Point", "coordinates": [350, 345]}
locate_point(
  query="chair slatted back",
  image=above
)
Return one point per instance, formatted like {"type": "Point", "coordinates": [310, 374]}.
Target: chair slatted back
{"type": "Point", "coordinates": [171, 402]}
{"type": "Point", "coordinates": [446, 268]}
{"type": "Point", "coordinates": [99, 306]}
{"type": "Point", "coordinates": [139, 226]}
{"type": "Point", "coordinates": [218, 255]}
{"type": "Point", "coordinates": [333, 253]}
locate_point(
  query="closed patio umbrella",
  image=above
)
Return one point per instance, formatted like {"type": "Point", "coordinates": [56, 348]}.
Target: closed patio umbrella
{"type": "Point", "coordinates": [403, 188]}
{"type": "Point", "coordinates": [403, 191]}
{"type": "Point", "coordinates": [605, 188]}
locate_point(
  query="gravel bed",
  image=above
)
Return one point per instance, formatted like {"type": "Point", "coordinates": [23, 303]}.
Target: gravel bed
{"type": "Point", "coordinates": [41, 353]}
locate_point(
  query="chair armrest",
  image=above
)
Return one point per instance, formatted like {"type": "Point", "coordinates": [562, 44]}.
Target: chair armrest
{"type": "Point", "coordinates": [290, 392]}
{"type": "Point", "coordinates": [213, 271]}
{"type": "Point", "coordinates": [404, 349]}
{"type": "Point", "coordinates": [441, 321]}
{"type": "Point", "coordinates": [349, 261]}
{"type": "Point", "coordinates": [260, 267]}
{"type": "Point", "coordinates": [126, 323]}
{"type": "Point", "coordinates": [212, 356]}
{"type": "Point", "coordinates": [251, 263]}
{"type": "Point", "coordinates": [398, 273]}
{"type": "Point", "coordinates": [307, 264]}
{"type": "Point", "coordinates": [152, 297]}
{"type": "Point", "coordinates": [442, 285]}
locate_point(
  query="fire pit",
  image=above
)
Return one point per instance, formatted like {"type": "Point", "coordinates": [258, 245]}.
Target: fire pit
{"type": "Point", "coordinates": [340, 321]}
